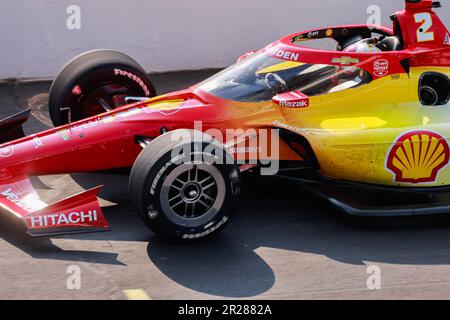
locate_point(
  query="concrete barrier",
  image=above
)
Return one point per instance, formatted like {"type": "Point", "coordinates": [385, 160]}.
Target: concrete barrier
{"type": "Point", "coordinates": [39, 36]}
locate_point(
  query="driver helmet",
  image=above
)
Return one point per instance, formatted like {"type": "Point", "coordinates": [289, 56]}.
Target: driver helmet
{"type": "Point", "coordinates": [366, 45]}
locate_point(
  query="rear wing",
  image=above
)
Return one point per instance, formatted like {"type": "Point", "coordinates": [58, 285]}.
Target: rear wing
{"type": "Point", "coordinates": [419, 25]}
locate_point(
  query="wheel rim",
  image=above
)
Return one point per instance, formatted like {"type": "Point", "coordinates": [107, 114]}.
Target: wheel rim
{"type": "Point", "coordinates": [192, 194]}
{"type": "Point", "coordinates": [87, 99]}
{"type": "Point", "coordinates": [104, 98]}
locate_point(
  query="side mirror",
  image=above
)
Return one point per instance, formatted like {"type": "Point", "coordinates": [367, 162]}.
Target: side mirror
{"type": "Point", "coordinates": [291, 99]}
{"type": "Point", "coordinates": [245, 56]}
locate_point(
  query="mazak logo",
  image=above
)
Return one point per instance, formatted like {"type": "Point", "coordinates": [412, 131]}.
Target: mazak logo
{"type": "Point", "coordinates": [294, 104]}
{"type": "Point", "coordinates": [61, 219]}
{"type": "Point", "coordinates": [418, 157]}
{"type": "Point", "coordinates": [381, 68]}
{"type": "Point", "coordinates": [6, 151]}
{"type": "Point", "coordinates": [292, 99]}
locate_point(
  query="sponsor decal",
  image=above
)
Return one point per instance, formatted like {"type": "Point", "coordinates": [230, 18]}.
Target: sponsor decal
{"type": "Point", "coordinates": [287, 126]}
{"type": "Point", "coordinates": [309, 35]}
{"type": "Point", "coordinates": [287, 55]}
{"type": "Point", "coordinates": [447, 39]}
{"type": "Point", "coordinates": [381, 68]}
{"type": "Point", "coordinates": [345, 60]}
{"type": "Point", "coordinates": [418, 157]}
{"type": "Point", "coordinates": [243, 149]}
{"type": "Point", "coordinates": [329, 32]}
{"type": "Point", "coordinates": [27, 201]}
{"type": "Point", "coordinates": [208, 231]}
{"type": "Point", "coordinates": [7, 151]}
{"type": "Point", "coordinates": [292, 99]}
{"type": "Point", "coordinates": [85, 126]}
{"type": "Point", "coordinates": [313, 34]}
{"type": "Point", "coordinates": [133, 77]}
{"type": "Point", "coordinates": [294, 104]}
{"type": "Point", "coordinates": [64, 134]}
{"type": "Point", "coordinates": [61, 219]}
{"type": "Point", "coordinates": [37, 142]}
{"type": "Point", "coordinates": [158, 176]}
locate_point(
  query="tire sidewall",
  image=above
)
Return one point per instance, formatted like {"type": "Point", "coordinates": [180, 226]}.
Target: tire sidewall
{"type": "Point", "coordinates": [154, 215]}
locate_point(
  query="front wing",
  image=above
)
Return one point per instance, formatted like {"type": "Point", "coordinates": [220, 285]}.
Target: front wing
{"type": "Point", "coordinates": [76, 214]}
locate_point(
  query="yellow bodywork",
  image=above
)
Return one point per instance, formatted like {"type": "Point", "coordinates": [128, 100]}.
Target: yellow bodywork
{"type": "Point", "coordinates": [353, 132]}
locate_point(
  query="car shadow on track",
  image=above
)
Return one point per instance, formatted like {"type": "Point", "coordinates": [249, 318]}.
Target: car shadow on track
{"type": "Point", "coordinates": [283, 216]}
{"type": "Point", "coordinates": [280, 215]}
{"type": "Point", "coordinates": [13, 231]}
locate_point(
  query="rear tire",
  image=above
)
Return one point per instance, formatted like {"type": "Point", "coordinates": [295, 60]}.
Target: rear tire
{"type": "Point", "coordinates": [187, 201]}
{"type": "Point", "coordinates": [93, 76]}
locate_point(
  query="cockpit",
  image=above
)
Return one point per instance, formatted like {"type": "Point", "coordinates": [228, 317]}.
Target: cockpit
{"type": "Point", "coordinates": [261, 76]}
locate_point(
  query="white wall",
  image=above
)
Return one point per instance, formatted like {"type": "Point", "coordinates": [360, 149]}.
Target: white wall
{"type": "Point", "coordinates": [163, 35]}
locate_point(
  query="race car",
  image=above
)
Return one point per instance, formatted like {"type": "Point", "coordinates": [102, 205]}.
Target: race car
{"type": "Point", "coordinates": [364, 125]}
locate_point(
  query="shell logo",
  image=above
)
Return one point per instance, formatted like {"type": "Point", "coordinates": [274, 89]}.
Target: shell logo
{"type": "Point", "coordinates": [418, 156]}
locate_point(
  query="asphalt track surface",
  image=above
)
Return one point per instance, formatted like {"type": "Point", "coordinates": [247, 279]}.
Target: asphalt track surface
{"type": "Point", "coordinates": [283, 243]}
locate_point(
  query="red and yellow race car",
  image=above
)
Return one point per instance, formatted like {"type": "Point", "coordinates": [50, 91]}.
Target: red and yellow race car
{"type": "Point", "coordinates": [363, 124]}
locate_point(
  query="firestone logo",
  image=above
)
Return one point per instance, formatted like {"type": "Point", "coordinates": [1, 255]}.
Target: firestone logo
{"type": "Point", "coordinates": [60, 219]}
{"type": "Point", "coordinates": [133, 77]}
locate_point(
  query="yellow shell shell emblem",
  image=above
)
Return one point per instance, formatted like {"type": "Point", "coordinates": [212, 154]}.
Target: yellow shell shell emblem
{"type": "Point", "coordinates": [418, 156]}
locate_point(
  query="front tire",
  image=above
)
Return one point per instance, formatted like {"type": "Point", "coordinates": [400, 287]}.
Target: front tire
{"type": "Point", "coordinates": [182, 199]}
{"type": "Point", "coordinates": [95, 82]}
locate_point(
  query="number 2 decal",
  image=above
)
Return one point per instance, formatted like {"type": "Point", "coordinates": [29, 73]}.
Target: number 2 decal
{"type": "Point", "coordinates": [423, 33]}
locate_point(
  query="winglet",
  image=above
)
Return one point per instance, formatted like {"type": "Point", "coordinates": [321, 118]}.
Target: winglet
{"type": "Point", "coordinates": [80, 213]}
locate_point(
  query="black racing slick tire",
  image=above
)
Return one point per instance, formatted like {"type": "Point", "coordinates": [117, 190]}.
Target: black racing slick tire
{"type": "Point", "coordinates": [184, 190]}
{"type": "Point", "coordinates": [95, 82]}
